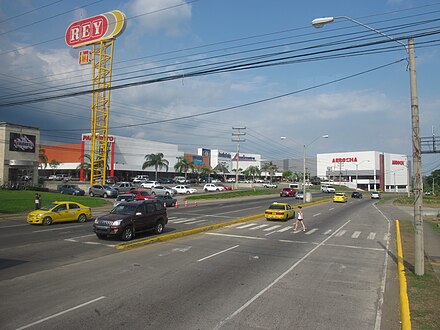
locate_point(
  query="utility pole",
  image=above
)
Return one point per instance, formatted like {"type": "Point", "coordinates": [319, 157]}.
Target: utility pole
{"type": "Point", "coordinates": [419, 256]}
{"type": "Point", "coordinates": [237, 137]}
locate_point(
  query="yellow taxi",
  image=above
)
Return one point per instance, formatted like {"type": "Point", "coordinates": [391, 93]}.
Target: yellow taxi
{"type": "Point", "coordinates": [60, 212]}
{"type": "Point", "coordinates": [339, 198]}
{"type": "Point", "coordinates": [279, 211]}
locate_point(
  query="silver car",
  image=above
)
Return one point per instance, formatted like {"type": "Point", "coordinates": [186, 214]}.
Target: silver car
{"type": "Point", "coordinates": [102, 190]}
{"type": "Point", "coordinates": [163, 191]}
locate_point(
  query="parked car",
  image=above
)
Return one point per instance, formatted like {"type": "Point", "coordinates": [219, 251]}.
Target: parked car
{"type": "Point", "coordinates": [141, 194]}
{"type": "Point", "coordinates": [270, 185]}
{"type": "Point", "coordinates": [60, 212]}
{"type": "Point", "coordinates": [328, 189]}
{"type": "Point", "coordinates": [149, 184]}
{"type": "Point", "coordinates": [123, 187]}
{"type": "Point", "coordinates": [231, 180]}
{"type": "Point", "coordinates": [375, 195]}
{"type": "Point", "coordinates": [166, 181]}
{"type": "Point", "coordinates": [224, 186]}
{"type": "Point", "coordinates": [339, 198]}
{"type": "Point", "coordinates": [179, 179]}
{"type": "Point", "coordinates": [279, 211]}
{"type": "Point", "coordinates": [102, 190]}
{"type": "Point", "coordinates": [129, 218]}
{"type": "Point", "coordinates": [167, 200]}
{"type": "Point", "coordinates": [212, 187]}
{"type": "Point", "coordinates": [124, 198]}
{"type": "Point", "coordinates": [299, 195]}
{"type": "Point", "coordinates": [140, 178]}
{"type": "Point", "coordinates": [356, 194]}
{"type": "Point", "coordinates": [71, 189]}
{"type": "Point", "coordinates": [287, 192]}
{"type": "Point", "coordinates": [163, 190]}
{"type": "Point", "coordinates": [185, 189]}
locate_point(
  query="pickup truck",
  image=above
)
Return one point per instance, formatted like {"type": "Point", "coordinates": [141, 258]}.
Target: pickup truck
{"type": "Point", "coordinates": [123, 187]}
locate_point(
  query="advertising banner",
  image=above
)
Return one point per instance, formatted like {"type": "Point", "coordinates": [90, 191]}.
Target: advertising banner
{"type": "Point", "coordinates": [22, 142]}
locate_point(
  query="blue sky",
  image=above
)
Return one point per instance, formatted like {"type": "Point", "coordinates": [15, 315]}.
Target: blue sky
{"type": "Point", "coordinates": [369, 111]}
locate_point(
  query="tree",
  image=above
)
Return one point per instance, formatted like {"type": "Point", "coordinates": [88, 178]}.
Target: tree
{"type": "Point", "coordinates": [287, 174]}
{"type": "Point", "coordinates": [223, 169]}
{"type": "Point", "coordinates": [54, 165]}
{"type": "Point", "coordinates": [432, 182]}
{"type": "Point", "coordinates": [252, 171]}
{"type": "Point", "coordinates": [85, 165]}
{"type": "Point", "coordinates": [42, 158]}
{"type": "Point", "coordinates": [208, 170]}
{"type": "Point", "coordinates": [157, 161]}
{"type": "Point", "coordinates": [183, 165]}
{"type": "Point", "coordinates": [270, 168]}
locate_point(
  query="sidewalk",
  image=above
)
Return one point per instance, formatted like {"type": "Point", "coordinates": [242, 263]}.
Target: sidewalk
{"type": "Point", "coordinates": [430, 237]}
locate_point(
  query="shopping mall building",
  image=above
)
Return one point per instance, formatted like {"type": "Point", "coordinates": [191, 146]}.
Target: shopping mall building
{"type": "Point", "coordinates": [367, 170]}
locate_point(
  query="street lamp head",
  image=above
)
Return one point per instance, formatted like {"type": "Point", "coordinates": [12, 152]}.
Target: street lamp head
{"type": "Point", "coordinates": [320, 22]}
{"type": "Point", "coordinates": [283, 137]}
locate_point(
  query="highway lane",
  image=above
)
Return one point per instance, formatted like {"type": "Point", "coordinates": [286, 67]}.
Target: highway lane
{"type": "Point", "coordinates": [330, 277]}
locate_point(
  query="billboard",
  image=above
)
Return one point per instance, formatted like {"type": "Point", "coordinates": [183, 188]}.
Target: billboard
{"type": "Point", "coordinates": [197, 160]}
{"type": "Point", "coordinates": [95, 29]}
{"type": "Point", "coordinates": [21, 142]}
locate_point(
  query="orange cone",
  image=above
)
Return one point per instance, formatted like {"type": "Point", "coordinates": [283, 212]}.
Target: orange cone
{"type": "Point", "coordinates": [177, 205]}
{"type": "Point", "coordinates": [186, 203]}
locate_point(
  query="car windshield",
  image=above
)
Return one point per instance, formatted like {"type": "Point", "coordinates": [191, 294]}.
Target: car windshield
{"type": "Point", "coordinates": [48, 207]}
{"type": "Point", "coordinates": [124, 197]}
{"type": "Point", "coordinates": [286, 189]}
{"type": "Point", "coordinates": [124, 209]}
{"type": "Point", "coordinates": [276, 207]}
{"type": "Point", "coordinates": [107, 187]}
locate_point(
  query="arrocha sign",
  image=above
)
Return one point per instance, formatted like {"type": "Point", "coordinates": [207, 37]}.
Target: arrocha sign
{"type": "Point", "coordinates": [94, 29]}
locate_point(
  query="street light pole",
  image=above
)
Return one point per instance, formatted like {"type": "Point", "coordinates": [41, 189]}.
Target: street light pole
{"type": "Point", "coordinates": [357, 165]}
{"type": "Point", "coordinates": [417, 159]}
{"type": "Point", "coordinates": [304, 165]}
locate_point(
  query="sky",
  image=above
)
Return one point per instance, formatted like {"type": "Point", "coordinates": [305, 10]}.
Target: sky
{"type": "Point", "coordinates": [265, 67]}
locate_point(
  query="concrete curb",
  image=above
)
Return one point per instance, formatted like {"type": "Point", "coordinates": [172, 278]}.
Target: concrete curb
{"type": "Point", "coordinates": [167, 237]}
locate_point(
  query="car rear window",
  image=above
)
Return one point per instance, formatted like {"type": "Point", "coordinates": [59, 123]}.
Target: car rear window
{"type": "Point", "coordinates": [276, 207]}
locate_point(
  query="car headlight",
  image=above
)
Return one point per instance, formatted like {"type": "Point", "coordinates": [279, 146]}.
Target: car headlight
{"type": "Point", "coordinates": [40, 215]}
{"type": "Point", "coordinates": [117, 223]}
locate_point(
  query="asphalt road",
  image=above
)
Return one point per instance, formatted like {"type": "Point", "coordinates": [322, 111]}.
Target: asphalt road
{"type": "Point", "coordinates": [255, 275]}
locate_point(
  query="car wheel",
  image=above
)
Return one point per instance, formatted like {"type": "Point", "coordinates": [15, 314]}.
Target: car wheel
{"type": "Point", "coordinates": [158, 228]}
{"type": "Point", "coordinates": [206, 190]}
{"type": "Point", "coordinates": [105, 195]}
{"type": "Point", "coordinates": [91, 194]}
{"type": "Point", "coordinates": [47, 221]}
{"type": "Point", "coordinates": [82, 218]}
{"type": "Point", "coordinates": [167, 193]}
{"type": "Point", "coordinates": [217, 190]}
{"type": "Point", "coordinates": [127, 234]}
{"type": "Point", "coordinates": [153, 193]}
{"type": "Point", "coordinates": [101, 236]}
{"type": "Point", "coordinates": [62, 191]}
{"type": "Point", "coordinates": [74, 193]}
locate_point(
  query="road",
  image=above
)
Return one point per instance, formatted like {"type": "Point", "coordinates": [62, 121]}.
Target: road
{"type": "Point", "coordinates": [255, 275]}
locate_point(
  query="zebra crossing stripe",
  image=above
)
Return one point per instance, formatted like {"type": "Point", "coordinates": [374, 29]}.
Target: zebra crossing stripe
{"type": "Point", "coordinates": [327, 232]}
{"type": "Point", "coordinates": [185, 220]}
{"type": "Point", "coordinates": [356, 234]}
{"type": "Point", "coordinates": [311, 231]}
{"type": "Point", "coordinates": [371, 236]}
{"type": "Point", "coordinates": [340, 233]}
{"type": "Point", "coordinates": [271, 228]}
{"type": "Point", "coordinates": [246, 226]}
{"type": "Point", "coordinates": [171, 218]}
{"type": "Point", "coordinates": [197, 221]}
{"type": "Point", "coordinates": [284, 229]}
{"type": "Point", "coordinates": [258, 227]}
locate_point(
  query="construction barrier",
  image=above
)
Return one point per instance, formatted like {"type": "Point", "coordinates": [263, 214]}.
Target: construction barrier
{"type": "Point", "coordinates": [404, 302]}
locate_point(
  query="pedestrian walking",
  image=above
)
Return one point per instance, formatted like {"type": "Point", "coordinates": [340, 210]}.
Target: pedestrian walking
{"type": "Point", "coordinates": [300, 219]}
{"type": "Point", "coordinates": [37, 201]}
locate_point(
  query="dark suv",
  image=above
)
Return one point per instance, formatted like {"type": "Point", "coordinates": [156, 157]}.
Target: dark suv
{"type": "Point", "coordinates": [129, 218]}
{"type": "Point", "coordinates": [356, 194]}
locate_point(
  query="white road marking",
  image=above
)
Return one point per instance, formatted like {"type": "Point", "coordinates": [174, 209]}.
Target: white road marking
{"type": "Point", "coordinates": [183, 221]}
{"type": "Point", "coordinates": [171, 218]}
{"type": "Point", "coordinates": [60, 313]}
{"type": "Point", "coordinates": [279, 278]}
{"type": "Point", "coordinates": [300, 242]}
{"type": "Point", "coordinates": [311, 231]}
{"type": "Point", "coordinates": [285, 229]}
{"type": "Point", "coordinates": [371, 236]}
{"type": "Point", "coordinates": [92, 243]}
{"type": "Point", "coordinates": [248, 225]}
{"type": "Point", "coordinates": [296, 231]}
{"type": "Point", "coordinates": [327, 232]}
{"type": "Point", "coordinates": [258, 227]}
{"type": "Point", "coordinates": [54, 229]}
{"type": "Point", "coordinates": [220, 252]}
{"type": "Point", "coordinates": [237, 236]}
{"type": "Point", "coordinates": [196, 221]}
{"type": "Point", "coordinates": [340, 233]}
{"type": "Point", "coordinates": [272, 228]}
{"type": "Point", "coordinates": [315, 215]}
{"type": "Point", "coordinates": [332, 208]}
{"type": "Point", "coordinates": [356, 247]}
{"type": "Point", "coordinates": [356, 234]}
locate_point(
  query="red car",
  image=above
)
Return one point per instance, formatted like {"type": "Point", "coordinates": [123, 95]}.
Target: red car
{"type": "Point", "coordinates": [141, 194]}
{"type": "Point", "coordinates": [287, 192]}
{"type": "Point", "coordinates": [222, 185]}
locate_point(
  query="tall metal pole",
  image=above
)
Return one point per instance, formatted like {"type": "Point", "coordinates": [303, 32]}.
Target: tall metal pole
{"type": "Point", "coordinates": [237, 137]}
{"type": "Point", "coordinates": [419, 255]}
{"type": "Point", "coordinates": [304, 175]}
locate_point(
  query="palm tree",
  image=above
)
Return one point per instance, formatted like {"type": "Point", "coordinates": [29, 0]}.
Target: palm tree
{"type": "Point", "coordinates": [253, 171]}
{"type": "Point", "coordinates": [156, 160]}
{"type": "Point", "coordinates": [270, 168]}
{"type": "Point", "coordinates": [222, 168]}
{"type": "Point", "coordinates": [208, 170]}
{"type": "Point", "coordinates": [54, 165]}
{"type": "Point", "coordinates": [183, 165]}
{"type": "Point", "coordinates": [42, 158]}
{"type": "Point", "coordinates": [86, 166]}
